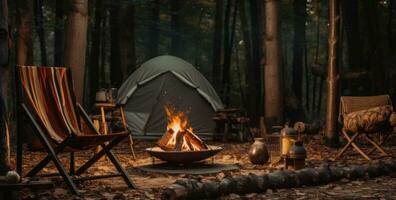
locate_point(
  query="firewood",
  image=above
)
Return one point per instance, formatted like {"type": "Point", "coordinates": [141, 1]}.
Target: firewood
{"type": "Point", "coordinates": [282, 179]}
{"type": "Point", "coordinates": [185, 135]}
{"type": "Point", "coordinates": [377, 169]}
{"type": "Point", "coordinates": [227, 185]}
{"type": "Point", "coordinates": [355, 172]}
{"type": "Point", "coordinates": [162, 143]}
{"type": "Point", "coordinates": [324, 174]}
{"type": "Point", "coordinates": [243, 184]}
{"type": "Point", "coordinates": [179, 141]}
{"type": "Point", "coordinates": [189, 142]}
{"type": "Point", "coordinates": [174, 192]}
{"type": "Point", "coordinates": [307, 176]}
{"type": "Point", "coordinates": [390, 165]}
{"type": "Point", "coordinates": [210, 189]}
{"type": "Point", "coordinates": [337, 173]}
{"type": "Point", "coordinates": [194, 139]}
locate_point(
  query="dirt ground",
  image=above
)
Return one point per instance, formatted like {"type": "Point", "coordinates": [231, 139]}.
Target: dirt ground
{"type": "Point", "coordinates": [150, 185]}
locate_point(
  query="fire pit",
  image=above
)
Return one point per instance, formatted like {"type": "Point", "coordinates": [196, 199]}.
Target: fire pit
{"type": "Point", "coordinates": [183, 156]}
{"type": "Point", "coordinates": [179, 144]}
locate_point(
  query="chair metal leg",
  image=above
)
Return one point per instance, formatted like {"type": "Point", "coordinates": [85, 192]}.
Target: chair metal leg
{"type": "Point", "coordinates": [51, 152]}
{"type": "Point", "coordinates": [131, 146]}
{"type": "Point", "coordinates": [47, 159]}
{"type": "Point", "coordinates": [65, 176]}
{"type": "Point", "coordinates": [72, 164]}
{"type": "Point", "coordinates": [106, 149]}
{"type": "Point", "coordinates": [19, 144]}
{"type": "Point", "coordinates": [350, 141]}
{"type": "Point", "coordinates": [379, 143]}
{"type": "Point", "coordinates": [357, 148]}
{"type": "Point", "coordinates": [19, 152]}
{"type": "Point", "coordinates": [376, 146]}
{"type": "Point", "coordinates": [97, 156]}
{"type": "Point", "coordinates": [120, 169]}
{"type": "Point", "coordinates": [124, 124]}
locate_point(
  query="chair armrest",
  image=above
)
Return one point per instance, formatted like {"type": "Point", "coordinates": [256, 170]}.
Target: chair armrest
{"type": "Point", "coordinates": [86, 118]}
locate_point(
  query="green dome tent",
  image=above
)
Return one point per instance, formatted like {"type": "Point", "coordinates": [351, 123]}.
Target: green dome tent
{"type": "Point", "coordinates": [167, 80]}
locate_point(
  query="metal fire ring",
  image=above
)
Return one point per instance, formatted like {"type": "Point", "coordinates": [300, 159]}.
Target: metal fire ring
{"type": "Point", "coordinates": [184, 156]}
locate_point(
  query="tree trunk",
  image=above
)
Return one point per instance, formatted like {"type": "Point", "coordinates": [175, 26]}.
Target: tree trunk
{"type": "Point", "coordinates": [115, 23]}
{"type": "Point", "coordinates": [153, 39]}
{"type": "Point", "coordinates": [228, 46]}
{"type": "Point", "coordinates": [273, 72]}
{"type": "Point", "coordinates": [24, 39]}
{"type": "Point", "coordinates": [123, 56]}
{"type": "Point", "coordinates": [255, 17]}
{"type": "Point", "coordinates": [217, 44]}
{"type": "Point", "coordinates": [4, 67]}
{"type": "Point", "coordinates": [93, 71]}
{"type": "Point", "coordinates": [175, 6]}
{"type": "Point", "coordinates": [374, 53]}
{"type": "Point", "coordinates": [391, 35]}
{"type": "Point", "coordinates": [298, 47]}
{"type": "Point", "coordinates": [127, 42]}
{"type": "Point", "coordinates": [38, 18]}
{"type": "Point", "coordinates": [332, 137]}
{"type": "Point", "coordinates": [76, 42]}
{"type": "Point", "coordinates": [317, 46]}
{"type": "Point", "coordinates": [4, 40]}
{"type": "Point", "coordinates": [104, 78]}
{"type": "Point", "coordinates": [58, 33]}
{"type": "Point", "coordinates": [251, 75]}
{"type": "Point", "coordinates": [350, 15]}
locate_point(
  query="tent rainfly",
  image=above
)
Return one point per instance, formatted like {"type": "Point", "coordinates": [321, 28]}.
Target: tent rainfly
{"type": "Point", "coordinates": [167, 80]}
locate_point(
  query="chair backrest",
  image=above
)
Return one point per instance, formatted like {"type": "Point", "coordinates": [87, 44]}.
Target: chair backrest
{"type": "Point", "coordinates": [48, 93]}
{"type": "Point", "coordinates": [350, 104]}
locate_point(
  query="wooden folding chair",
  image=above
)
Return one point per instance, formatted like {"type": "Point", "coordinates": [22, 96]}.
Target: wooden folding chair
{"type": "Point", "coordinates": [349, 104]}
{"type": "Point", "coordinates": [46, 97]}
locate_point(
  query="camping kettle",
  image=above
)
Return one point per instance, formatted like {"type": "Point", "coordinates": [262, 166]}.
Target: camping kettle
{"type": "Point", "coordinates": [111, 95]}
{"type": "Point", "coordinates": [101, 95]}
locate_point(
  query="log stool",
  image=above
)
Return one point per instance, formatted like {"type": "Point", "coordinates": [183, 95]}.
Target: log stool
{"type": "Point", "coordinates": [100, 121]}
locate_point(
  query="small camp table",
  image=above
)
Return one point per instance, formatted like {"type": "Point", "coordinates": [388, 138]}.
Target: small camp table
{"type": "Point", "coordinates": [100, 121]}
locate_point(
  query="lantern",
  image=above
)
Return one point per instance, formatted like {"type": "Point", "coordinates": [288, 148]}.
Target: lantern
{"type": "Point", "coordinates": [297, 155]}
{"type": "Point", "coordinates": [288, 136]}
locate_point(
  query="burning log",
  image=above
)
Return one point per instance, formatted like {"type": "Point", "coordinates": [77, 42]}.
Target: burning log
{"type": "Point", "coordinates": [194, 189]}
{"type": "Point", "coordinates": [179, 136]}
{"type": "Point", "coordinates": [163, 142]}
{"type": "Point", "coordinates": [181, 141]}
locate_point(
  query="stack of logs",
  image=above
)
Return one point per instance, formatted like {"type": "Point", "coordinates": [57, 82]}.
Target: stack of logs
{"type": "Point", "coordinates": [243, 184]}
{"type": "Point", "coordinates": [192, 142]}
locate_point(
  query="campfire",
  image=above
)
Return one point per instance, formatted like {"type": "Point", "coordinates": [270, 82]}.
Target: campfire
{"type": "Point", "coordinates": [179, 144]}
{"type": "Point", "coordinates": [179, 134]}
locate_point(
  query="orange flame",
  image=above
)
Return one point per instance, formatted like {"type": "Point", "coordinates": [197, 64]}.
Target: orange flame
{"type": "Point", "coordinates": [177, 121]}
{"type": "Point", "coordinates": [178, 126]}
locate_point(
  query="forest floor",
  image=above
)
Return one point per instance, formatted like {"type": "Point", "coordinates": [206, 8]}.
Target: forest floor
{"type": "Point", "coordinates": [150, 185]}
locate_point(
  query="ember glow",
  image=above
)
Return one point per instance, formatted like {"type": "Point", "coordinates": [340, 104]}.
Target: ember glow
{"type": "Point", "coordinates": [179, 135]}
